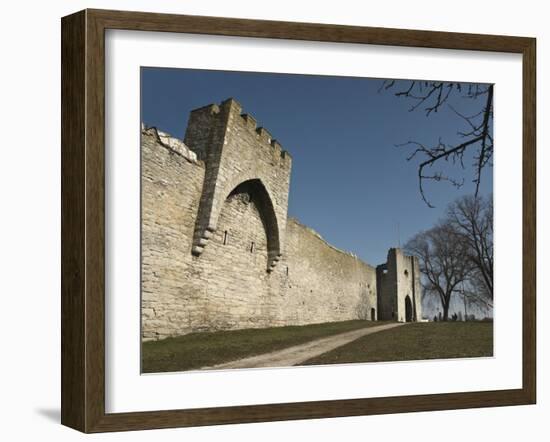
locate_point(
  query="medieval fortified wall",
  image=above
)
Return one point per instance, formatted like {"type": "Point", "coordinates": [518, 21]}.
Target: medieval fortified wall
{"type": "Point", "coordinates": [218, 251]}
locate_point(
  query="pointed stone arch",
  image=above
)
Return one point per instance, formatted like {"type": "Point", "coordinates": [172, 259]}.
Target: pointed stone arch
{"type": "Point", "coordinates": [265, 206]}
{"type": "Point", "coordinates": [259, 194]}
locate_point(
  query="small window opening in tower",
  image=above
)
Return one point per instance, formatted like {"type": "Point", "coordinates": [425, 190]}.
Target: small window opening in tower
{"type": "Point", "coordinates": [406, 272]}
{"type": "Point", "coordinates": [225, 237]}
{"type": "Point", "coordinates": [252, 246]}
{"type": "Point", "coordinates": [286, 270]}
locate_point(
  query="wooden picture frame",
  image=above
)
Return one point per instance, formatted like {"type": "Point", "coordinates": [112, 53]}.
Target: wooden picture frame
{"type": "Point", "coordinates": [83, 220]}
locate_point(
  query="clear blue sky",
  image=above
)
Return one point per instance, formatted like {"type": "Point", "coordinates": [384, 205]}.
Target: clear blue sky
{"type": "Point", "coordinates": [349, 182]}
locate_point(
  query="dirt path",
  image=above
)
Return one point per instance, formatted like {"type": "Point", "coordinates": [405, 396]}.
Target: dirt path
{"type": "Point", "coordinates": [301, 353]}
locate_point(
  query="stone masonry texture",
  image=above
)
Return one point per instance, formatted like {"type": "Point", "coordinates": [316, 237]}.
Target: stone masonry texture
{"type": "Point", "coordinates": [219, 252]}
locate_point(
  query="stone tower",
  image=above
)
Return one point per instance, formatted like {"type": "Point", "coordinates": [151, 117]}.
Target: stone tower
{"type": "Point", "coordinates": [236, 153]}
{"type": "Point", "coordinates": [399, 289]}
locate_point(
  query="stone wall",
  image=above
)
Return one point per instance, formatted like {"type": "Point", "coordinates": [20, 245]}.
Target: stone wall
{"type": "Point", "coordinates": [255, 268]}
{"type": "Point", "coordinates": [171, 186]}
{"type": "Point", "coordinates": [323, 283]}
{"type": "Point", "coordinates": [227, 286]}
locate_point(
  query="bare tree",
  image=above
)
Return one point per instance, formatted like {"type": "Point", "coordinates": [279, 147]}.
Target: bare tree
{"type": "Point", "coordinates": [476, 297]}
{"type": "Point", "coordinates": [472, 218]}
{"type": "Point", "coordinates": [444, 263]}
{"type": "Point", "coordinates": [431, 96]}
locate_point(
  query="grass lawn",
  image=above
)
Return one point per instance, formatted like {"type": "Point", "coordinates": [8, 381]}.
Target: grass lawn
{"type": "Point", "coordinates": [427, 340]}
{"type": "Point", "coordinates": [197, 350]}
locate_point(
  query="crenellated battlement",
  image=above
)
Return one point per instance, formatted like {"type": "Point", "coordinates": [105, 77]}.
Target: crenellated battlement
{"type": "Point", "coordinates": [202, 120]}
{"type": "Point", "coordinates": [264, 137]}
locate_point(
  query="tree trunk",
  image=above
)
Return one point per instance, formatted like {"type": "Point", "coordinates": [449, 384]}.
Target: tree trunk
{"type": "Point", "coordinates": [446, 312]}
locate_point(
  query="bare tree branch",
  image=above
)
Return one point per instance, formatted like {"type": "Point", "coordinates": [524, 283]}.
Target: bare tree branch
{"type": "Point", "coordinates": [477, 138]}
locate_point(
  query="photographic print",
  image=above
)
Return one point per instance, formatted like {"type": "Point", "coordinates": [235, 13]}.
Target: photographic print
{"type": "Point", "coordinates": [294, 220]}
{"type": "Point", "coordinates": [256, 203]}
